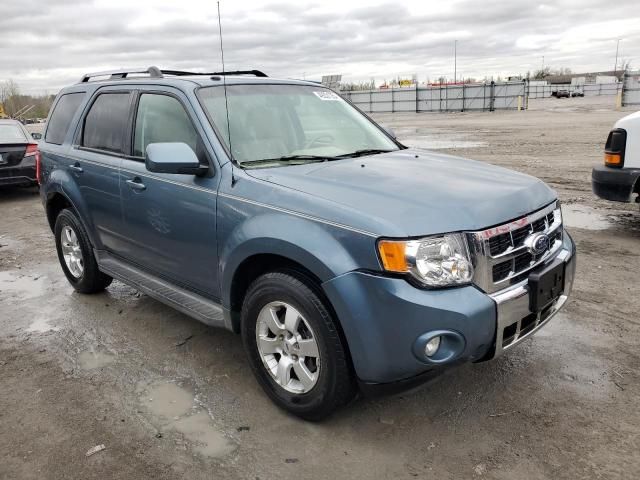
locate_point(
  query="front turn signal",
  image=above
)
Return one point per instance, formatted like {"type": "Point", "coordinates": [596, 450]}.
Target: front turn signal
{"type": "Point", "coordinates": [615, 147]}
{"type": "Point", "coordinates": [392, 254]}
{"type": "Point", "coordinates": [612, 159]}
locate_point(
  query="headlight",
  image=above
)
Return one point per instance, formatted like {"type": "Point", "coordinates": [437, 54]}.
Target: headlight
{"type": "Point", "coordinates": [434, 261]}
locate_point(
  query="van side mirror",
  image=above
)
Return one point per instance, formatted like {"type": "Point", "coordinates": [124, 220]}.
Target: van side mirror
{"type": "Point", "coordinates": [176, 158]}
{"type": "Point", "coordinates": [36, 136]}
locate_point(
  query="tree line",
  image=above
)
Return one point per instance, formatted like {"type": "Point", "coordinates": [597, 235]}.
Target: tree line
{"type": "Point", "coordinates": [13, 101]}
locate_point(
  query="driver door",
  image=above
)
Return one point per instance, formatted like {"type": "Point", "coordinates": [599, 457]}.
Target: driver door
{"type": "Point", "coordinates": [170, 219]}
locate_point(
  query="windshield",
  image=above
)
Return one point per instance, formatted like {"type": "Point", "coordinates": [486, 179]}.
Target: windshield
{"type": "Point", "coordinates": [290, 122]}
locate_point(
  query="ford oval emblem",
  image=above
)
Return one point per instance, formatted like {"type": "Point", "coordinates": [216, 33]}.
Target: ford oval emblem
{"type": "Point", "coordinates": [538, 243]}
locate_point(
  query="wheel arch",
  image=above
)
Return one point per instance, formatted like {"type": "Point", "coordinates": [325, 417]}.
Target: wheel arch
{"type": "Point", "coordinates": [58, 198]}
{"type": "Point", "coordinates": [273, 241]}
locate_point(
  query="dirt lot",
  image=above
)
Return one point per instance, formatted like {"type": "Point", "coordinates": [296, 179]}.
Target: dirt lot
{"type": "Point", "coordinates": [171, 398]}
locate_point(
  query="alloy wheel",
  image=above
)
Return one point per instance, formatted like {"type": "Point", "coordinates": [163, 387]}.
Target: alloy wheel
{"type": "Point", "coordinates": [71, 251]}
{"type": "Point", "coordinates": [288, 347]}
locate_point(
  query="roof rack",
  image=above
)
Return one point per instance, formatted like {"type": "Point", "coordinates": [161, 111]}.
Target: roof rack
{"type": "Point", "coordinates": [179, 73]}
{"type": "Point", "coordinates": [155, 72]}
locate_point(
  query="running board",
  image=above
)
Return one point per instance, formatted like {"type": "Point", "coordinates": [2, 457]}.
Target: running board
{"type": "Point", "coordinates": [189, 303]}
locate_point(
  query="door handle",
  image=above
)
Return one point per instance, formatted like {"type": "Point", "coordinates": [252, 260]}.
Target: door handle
{"type": "Point", "coordinates": [136, 184]}
{"type": "Point", "coordinates": [76, 168]}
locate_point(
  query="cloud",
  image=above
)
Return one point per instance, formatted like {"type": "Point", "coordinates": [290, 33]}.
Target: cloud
{"type": "Point", "coordinates": [45, 44]}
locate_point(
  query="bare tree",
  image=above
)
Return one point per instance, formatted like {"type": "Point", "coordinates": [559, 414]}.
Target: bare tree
{"type": "Point", "coordinates": [542, 73]}
{"type": "Point", "coordinates": [9, 93]}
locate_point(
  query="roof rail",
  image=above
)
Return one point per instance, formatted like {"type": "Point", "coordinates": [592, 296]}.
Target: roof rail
{"type": "Point", "coordinates": [154, 72]}
{"type": "Point", "coordinates": [179, 73]}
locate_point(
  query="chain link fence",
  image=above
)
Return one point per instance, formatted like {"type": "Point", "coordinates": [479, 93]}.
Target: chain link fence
{"type": "Point", "coordinates": [477, 97]}
{"type": "Point", "coordinates": [442, 98]}
{"type": "Point", "coordinates": [588, 89]}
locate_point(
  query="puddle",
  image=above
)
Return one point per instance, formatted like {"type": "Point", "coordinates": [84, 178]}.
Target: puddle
{"type": "Point", "coordinates": [41, 325]}
{"type": "Point", "coordinates": [168, 400]}
{"type": "Point", "coordinates": [174, 410]}
{"type": "Point", "coordinates": [88, 360]}
{"type": "Point", "coordinates": [581, 216]}
{"type": "Point", "coordinates": [206, 440]}
{"type": "Point", "coordinates": [22, 286]}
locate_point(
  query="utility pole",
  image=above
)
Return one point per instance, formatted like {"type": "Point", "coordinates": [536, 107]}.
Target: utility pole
{"type": "Point", "coordinates": [455, 60]}
{"type": "Point", "coordinates": [615, 68]}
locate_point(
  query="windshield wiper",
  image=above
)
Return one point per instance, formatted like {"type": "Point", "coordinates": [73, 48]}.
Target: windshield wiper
{"type": "Point", "coordinates": [364, 151]}
{"type": "Point", "coordinates": [288, 159]}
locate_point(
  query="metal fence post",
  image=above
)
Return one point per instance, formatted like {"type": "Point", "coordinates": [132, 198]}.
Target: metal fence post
{"type": "Point", "coordinates": [417, 110]}
{"type": "Point", "coordinates": [463, 94]}
{"type": "Point", "coordinates": [492, 96]}
{"type": "Point", "coordinates": [393, 105]}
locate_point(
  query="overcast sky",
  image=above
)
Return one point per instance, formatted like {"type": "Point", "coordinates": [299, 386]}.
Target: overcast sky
{"type": "Point", "coordinates": [45, 44]}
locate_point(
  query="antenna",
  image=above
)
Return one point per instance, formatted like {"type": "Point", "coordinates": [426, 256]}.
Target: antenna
{"type": "Point", "coordinates": [226, 101]}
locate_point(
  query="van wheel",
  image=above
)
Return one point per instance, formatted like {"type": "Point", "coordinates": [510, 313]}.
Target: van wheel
{"type": "Point", "coordinates": [76, 255]}
{"type": "Point", "coordinates": [294, 346]}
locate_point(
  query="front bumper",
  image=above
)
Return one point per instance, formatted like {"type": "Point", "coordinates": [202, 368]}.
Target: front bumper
{"type": "Point", "coordinates": [386, 321]}
{"type": "Point", "coordinates": [515, 321]}
{"type": "Point", "coordinates": [616, 184]}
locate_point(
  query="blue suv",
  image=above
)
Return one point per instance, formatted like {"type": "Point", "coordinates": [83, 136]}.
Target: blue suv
{"type": "Point", "coordinates": [276, 209]}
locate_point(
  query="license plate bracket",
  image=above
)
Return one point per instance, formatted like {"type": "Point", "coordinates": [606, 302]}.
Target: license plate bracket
{"type": "Point", "coordinates": [546, 285]}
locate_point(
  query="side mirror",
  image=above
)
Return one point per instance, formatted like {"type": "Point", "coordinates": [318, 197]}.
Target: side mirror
{"type": "Point", "coordinates": [36, 136]}
{"type": "Point", "coordinates": [389, 131]}
{"type": "Point", "coordinates": [177, 158]}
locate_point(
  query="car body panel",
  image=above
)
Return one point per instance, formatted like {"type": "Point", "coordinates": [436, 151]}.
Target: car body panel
{"type": "Point", "coordinates": [405, 193]}
{"type": "Point", "coordinates": [382, 317]}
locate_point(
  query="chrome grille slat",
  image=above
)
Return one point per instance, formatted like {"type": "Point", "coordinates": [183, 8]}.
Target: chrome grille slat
{"type": "Point", "coordinates": [490, 266]}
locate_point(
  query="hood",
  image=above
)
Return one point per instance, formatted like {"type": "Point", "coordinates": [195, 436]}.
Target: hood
{"type": "Point", "coordinates": [413, 192]}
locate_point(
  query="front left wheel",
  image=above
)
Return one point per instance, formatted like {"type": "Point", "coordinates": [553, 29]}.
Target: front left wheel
{"type": "Point", "coordinates": [294, 346]}
{"type": "Point", "coordinates": [76, 255]}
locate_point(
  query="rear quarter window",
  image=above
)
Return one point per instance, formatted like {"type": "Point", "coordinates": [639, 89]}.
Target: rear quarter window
{"type": "Point", "coordinates": [105, 124]}
{"type": "Point", "coordinates": [61, 117]}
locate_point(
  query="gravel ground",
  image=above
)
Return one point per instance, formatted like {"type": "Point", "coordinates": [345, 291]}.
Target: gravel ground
{"type": "Point", "coordinates": [172, 398]}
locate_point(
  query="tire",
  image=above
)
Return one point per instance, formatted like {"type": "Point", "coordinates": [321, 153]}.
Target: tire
{"type": "Point", "coordinates": [333, 385]}
{"type": "Point", "coordinates": [82, 271]}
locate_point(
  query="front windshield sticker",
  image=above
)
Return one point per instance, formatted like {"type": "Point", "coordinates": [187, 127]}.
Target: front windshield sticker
{"type": "Point", "coordinates": [327, 95]}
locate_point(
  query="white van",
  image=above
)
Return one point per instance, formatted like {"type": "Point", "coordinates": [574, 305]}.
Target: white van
{"type": "Point", "coordinates": [618, 179]}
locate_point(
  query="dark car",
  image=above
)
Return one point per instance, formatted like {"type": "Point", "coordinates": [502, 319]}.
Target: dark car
{"type": "Point", "coordinates": [18, 152]}
{"type": "Point", "coordinates": [561, 93]}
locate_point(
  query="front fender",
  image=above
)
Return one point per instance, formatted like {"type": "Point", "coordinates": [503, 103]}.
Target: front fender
{"type": "Point", "coordinates": [325, 250]}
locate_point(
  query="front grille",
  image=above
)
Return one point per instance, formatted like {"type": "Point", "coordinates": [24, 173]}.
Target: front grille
{"type": "Point", "coordinates": [523, 327]}
{"type": "Point", "coordinates": [515, 238]}
{"type": "Point", "coordinates": [500, 254]}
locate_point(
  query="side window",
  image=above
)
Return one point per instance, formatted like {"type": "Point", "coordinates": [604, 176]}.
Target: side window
{"type": "Point", "coordinates": [61, 117]}
{"type": "Point", "coordinates": [105, 124]}
{"type": "Point", "coordinates": [161, 118]}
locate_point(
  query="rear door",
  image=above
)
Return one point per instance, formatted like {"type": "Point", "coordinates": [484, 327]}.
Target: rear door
{"type": "Point", "coordinates": [170, 219]}
{"type": "Point", "coordinates": [95, 161]}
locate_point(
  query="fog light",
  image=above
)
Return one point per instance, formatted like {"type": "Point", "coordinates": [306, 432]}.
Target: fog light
{"type": "Point", "coordinates": [432, 346]}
